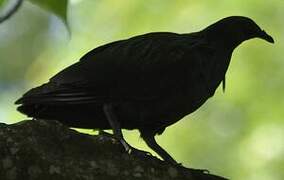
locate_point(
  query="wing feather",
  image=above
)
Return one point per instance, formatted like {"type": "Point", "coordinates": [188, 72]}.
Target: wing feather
{"type": "Point", "coordinates": [141, 68]}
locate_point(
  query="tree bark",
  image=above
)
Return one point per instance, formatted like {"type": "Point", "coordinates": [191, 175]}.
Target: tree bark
{"type": "Point", "coordinates": [45, 150]}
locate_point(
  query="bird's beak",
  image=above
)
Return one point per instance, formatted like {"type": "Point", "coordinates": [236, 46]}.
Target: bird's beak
{"type": "Point", "coordinates": [265, 36]}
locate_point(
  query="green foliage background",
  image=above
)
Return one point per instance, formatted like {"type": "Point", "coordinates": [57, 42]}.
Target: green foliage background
{"type": "Point", "coordinates": [239, 134]}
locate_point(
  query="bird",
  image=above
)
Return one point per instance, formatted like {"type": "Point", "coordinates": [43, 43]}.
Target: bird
{"type": "Point", "coordinates": [146, 82]}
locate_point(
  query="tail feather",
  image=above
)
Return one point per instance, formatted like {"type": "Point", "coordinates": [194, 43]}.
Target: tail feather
{"type": "Point", "coordinates": [53, 94]}
{"type": "Point", "coordinates": [84, 116]}
{"type": "Point", "coordinates": [74, 107]}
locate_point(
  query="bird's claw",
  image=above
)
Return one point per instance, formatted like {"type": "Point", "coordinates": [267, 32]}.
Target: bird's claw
{"type": "Point", "coordinates": [129, 149]}
{"type": "Point", "coordinates": [137, 152]}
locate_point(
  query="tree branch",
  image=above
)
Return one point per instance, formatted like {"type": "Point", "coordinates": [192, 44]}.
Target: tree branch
{"type": "Point", "coordinates": [44, 150]}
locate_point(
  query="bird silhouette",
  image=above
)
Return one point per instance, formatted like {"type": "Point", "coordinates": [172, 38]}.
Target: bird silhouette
{"type": "Point", "coordinates": [147, 82]}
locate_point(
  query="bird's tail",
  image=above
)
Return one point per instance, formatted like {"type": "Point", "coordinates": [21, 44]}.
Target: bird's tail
{"type": "Point", "coordinates": [31, 110]}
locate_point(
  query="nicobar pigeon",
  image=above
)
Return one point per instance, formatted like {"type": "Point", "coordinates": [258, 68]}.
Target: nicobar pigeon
{"type": "Point", "coordinates": [147, 82]}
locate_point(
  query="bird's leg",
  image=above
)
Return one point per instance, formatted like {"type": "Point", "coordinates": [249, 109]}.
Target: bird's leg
{"type": "Point", "coordinates": [117, 132]}
{"type": "Point", "coordinates": [115, 126]}
{"type": "Point", "coordinates": [151, 142]}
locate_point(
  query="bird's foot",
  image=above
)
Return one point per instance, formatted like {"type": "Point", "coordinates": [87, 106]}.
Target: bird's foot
{"type": "Point", "coordinates": [139, 153]}
{"type": "Point", "coordinates": [179, 165]}
{"type": "Point", "coordinates": [133, 151]}
{"type": "Point", "coordinates": [129, 149]}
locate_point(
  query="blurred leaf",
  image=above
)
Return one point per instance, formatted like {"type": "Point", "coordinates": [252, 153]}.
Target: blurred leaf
{"type": "Point", "coordinates": [58, 7]}
{"type": "Point", "coordinates": [9, 10]}
{"type": "Point", "coordinates": [1, 3]}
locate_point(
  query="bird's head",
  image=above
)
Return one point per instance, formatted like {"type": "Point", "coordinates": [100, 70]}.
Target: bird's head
{"type": "Point", "coordinates": [234, 30]}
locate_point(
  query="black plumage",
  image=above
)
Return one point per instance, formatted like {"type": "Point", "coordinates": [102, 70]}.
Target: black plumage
{"type": "Point", "coordinates": [146, 82]}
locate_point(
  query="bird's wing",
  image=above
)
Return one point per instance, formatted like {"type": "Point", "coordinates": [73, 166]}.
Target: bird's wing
{"type": "Point", "coordinates": [140, 68]}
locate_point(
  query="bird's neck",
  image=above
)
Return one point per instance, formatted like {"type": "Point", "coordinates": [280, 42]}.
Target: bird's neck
{"type": "Point", "coordinates": [221, 39]}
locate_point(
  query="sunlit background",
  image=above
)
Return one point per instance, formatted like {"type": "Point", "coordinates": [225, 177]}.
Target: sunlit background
{"type": "Point", "coordinates": [238, 134]}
